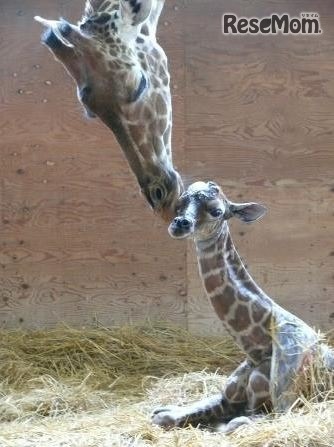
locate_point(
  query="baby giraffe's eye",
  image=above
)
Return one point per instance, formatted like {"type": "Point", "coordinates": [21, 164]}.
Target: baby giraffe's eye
{"type": "Point", "coordinates": [216, 212]}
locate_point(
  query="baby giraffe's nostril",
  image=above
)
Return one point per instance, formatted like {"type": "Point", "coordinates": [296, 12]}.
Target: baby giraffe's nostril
{"type": "Point", "coordinates": [184, 223]}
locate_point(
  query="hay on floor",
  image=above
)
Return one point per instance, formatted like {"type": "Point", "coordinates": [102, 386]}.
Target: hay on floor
{"type": "Point", "coordinates": [97, 387]}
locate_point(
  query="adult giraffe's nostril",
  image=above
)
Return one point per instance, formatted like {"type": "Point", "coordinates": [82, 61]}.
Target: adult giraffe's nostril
{"type": "Point", "coordinates": [64, 28]}
{"type": "Point", "coordinates": [84, 93]}
{"type": "Point", "coordinates": [50, 39]}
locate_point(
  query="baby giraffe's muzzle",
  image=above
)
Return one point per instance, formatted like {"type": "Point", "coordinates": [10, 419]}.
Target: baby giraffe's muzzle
{"type": "Point", "coordinates": [181, 227]}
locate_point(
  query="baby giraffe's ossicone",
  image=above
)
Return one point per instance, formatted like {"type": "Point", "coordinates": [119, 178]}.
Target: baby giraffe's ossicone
{"type": "Point", "coordinates": [277, 344]}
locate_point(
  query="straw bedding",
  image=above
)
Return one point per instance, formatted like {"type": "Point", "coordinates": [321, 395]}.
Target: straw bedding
{"type": "Point", "coordinates": [97, 387]}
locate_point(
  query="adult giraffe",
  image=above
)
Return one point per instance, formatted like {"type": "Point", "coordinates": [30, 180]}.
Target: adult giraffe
{"type": "Point", "coordinates": [122, 77]}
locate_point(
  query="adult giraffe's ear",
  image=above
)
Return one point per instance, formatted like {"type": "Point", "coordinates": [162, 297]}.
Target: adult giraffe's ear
{"type": "Point", "coordinates": [135, 12]}
{"type": "Point", "coordinates": [247, 212]}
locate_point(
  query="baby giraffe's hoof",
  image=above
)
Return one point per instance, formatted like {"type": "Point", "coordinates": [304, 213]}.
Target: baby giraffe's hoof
{"type": "Point", "coordinates": [234, 424]}
{"type": "Point", "coordinates": [167, 417]}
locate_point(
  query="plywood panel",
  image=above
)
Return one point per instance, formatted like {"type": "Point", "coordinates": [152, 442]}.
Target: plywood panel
{"type": "Point", "coordinates": [83, 292]}
{"type": "Point", "coordinates": [260, 120]}
{"type": "Point", "coordinates": [78, 242]}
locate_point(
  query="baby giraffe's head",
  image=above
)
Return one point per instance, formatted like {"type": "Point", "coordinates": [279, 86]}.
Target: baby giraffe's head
{"type": "Point", "coordinates": [203, 209]}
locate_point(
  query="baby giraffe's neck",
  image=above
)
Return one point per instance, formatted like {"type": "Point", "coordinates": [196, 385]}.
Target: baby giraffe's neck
{"type": "Point", "coordinates": [243, 307]}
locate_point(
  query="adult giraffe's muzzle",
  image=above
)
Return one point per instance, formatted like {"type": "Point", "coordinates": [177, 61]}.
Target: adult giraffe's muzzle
{"type": "Point", "coordinates": [57, 32]}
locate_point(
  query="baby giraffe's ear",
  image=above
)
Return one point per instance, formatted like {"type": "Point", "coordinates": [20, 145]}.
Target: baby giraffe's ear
{"type": "Point", "coordinates": [135, 12]}
{"type": "Point", "coordinates": [247, 212]}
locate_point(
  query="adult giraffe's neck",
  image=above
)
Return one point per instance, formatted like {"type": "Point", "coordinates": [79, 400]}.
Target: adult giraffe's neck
{"type": "Point", "coordinates": [238, 301]}
{"type": "Point", "coordinates": [150, 168]}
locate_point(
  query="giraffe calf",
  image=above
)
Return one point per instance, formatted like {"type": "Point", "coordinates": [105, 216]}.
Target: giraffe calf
{"type": "Point", "coordinates": [277, 344]}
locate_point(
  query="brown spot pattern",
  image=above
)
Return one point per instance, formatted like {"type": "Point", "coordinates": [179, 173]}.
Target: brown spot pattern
{"type": "Point", "coordinates": [137, 133]}
{"type": "Point", "coordinates": [154, 128]}
{"type": "Point", "coordinates": [244, 298]}
{"type": "Point", "coordinates": [113, 52]}
{"type": "Point", "coordinates": [258, 383]}
{"type": "Point", "coordinates": [241, 319]}
{"type": "Point", "coordinates": [256, 355]}
{"type": "Point", "coordinates": [257, 337]}
{"type": "Point", "coordinates": [231, 390]}
{"type": "Point", "coordinates": [155, 82]}
{"type": "Point", "coordinates": [222, 304]}
{"type": "Point", "coordinates": [145, 150]}
{"type": "Point", "coordinates": [147, 113]}
{"type": "Point", "coordinates": [212, 282]}
{"type": "Point", "coordinates": [155, 53]}
{"type": "Point", "coordinates": [152, 62]}
{"type": "Point", "coordinates": [210, 248]}
{"type": "Point", "coordinates": [216, 261]}
{"type": "Point", "coordinates": [207, 265]}
{"type": "Point", "coordinates": [257, 311]}
{"type": "Point", "coordinates": [145, 30]}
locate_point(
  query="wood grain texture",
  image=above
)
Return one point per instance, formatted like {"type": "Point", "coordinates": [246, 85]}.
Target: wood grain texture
{"type": "Point", "coordinates": [83, 292]}
{"type": "Point", "coordinates": [259, 120]}
{"type": "Point", "coordinates": [78, 242]}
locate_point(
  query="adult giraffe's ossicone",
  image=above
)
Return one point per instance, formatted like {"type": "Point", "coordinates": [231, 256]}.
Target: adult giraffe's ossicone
{"type": "Point", "coordinates": [122, 77]}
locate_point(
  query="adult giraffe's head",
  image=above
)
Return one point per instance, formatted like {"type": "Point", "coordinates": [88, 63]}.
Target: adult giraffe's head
{"type": "Point", "coordinates": [203, 209]}
{"type": "Point", "coordinates": [122, 77]}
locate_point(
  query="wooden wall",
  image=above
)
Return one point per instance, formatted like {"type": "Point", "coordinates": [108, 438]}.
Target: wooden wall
{"type": "Point", "coordinates": [253, 113]}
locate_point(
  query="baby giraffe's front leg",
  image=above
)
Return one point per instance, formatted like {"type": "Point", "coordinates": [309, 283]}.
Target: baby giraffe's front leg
{"type": "Point", "coordinates": [221, 407]}
{"type": "Point", "coordinates": [202, 412]}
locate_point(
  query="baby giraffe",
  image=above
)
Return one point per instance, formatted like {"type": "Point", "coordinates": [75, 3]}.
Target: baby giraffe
{"type": "Point", "coordinates": [277, 344]}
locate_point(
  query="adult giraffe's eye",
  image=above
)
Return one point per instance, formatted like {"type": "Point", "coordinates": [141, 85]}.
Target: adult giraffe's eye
{"type": "Point", "coordinates": [216, 212]}
{"type": "Point", "coordinates": [158, 194]}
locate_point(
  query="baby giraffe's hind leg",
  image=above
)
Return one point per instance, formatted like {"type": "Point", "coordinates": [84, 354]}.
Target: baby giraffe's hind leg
{"type": "Point", "coordinates": [222, 407]}
{"type": "Point", "coordinates": [258, 397]}
{"type": "Point", "coordinates": [258, 388]}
